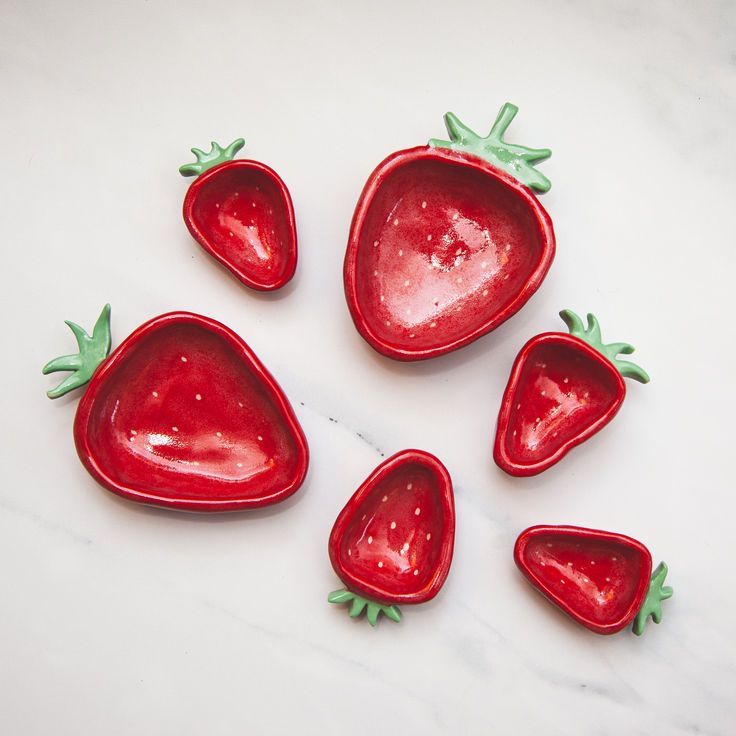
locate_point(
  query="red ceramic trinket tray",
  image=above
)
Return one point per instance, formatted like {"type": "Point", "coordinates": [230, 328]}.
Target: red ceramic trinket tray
{"type": "Point", "coordinates": [240, 212]}
{"type": "Point", "coordinates": [602, 580]}
{"type": "Point", "coordinates": [447, 242]}
{"type": "Point", "coordinates": [393, 541]}
{"type": "Point", "coordinates": [182, 415]}
{"type": "Point", "coordinates": [563, 389]}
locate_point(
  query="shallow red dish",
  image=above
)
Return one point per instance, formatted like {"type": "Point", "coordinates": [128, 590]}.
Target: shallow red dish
{"type": "Point", "coordinates": [184, 415]}
{"type": "Point", "coordinates": [241, 213]}
{"type": "Point", "coordinates": [601, 579]}
{"type": "Point", "coordinates": [393, 541]}
{"type": "Point", "coordinates": [444, 246]}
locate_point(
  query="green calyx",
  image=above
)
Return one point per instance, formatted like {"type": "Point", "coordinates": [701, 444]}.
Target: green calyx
{"type": "Point", "coordinates": [358, 604]}
{"type": "Point", "coordinates": [216, 155]}
{"type": "Point", "coordinates": [516, 160]}
{"type": "Point", "coordinates": [653, 602]}
{"type": "Point", "coordinates": [592, 335]}
{"type": "Point", "coordinates": [92, 351]}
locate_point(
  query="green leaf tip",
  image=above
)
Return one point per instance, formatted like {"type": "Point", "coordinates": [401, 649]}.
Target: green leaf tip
{"type": "Point", "coordinates": [653, 602]}
{"type": "Point", "coordinates": [216, 155]}
{"type": "Point", "coordinates": [516, 160]}
{"type": "Point", "coordinates": [358, 604]}
{"type": "Point", "coordinates": [592, 335]}
{"type": "Point", "coordinates": [92, 351]}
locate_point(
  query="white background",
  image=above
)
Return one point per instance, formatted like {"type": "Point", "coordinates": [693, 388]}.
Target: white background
{"type": "Point", "coordinates": [119, 619]}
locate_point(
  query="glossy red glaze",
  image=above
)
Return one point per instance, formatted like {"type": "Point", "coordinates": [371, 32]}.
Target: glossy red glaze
{"type": "Point", "coordinates": [393, 541]}
{"type": "Point", "coordinates": [443, 248]}
{"type": "Point", "coordinates": [598, 578]}
{"type": "Point", "coordinates": [184, 415]}
{"type": "Point", "coordinates": [560, 392]}
{"type": "Point", "coordinates": [241, 213]}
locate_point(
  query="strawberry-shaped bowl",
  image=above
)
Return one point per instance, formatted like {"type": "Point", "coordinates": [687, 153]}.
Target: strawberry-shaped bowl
{"type": "Point", "coordinates": [563, 388]}
{"type": "Point", "coordinates": [393, 541]}
{"type": "Point", "coordinates": [447, 242]}
{"type": "Point", "coordinates": [182, 415]}
{"type": "Point", "coordinates": [240, 212]}
{"type": "Point", "coordinates": [602, 580]}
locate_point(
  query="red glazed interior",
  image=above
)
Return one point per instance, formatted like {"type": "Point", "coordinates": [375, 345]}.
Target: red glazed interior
{"type": "Point", "coordinates": [601, 581]}
{"type": "Point", "coordinates": [240, 209]}
{"type": "Point", "coordinates": [184, 416]}
{"type": "Point", "coordinates": [443, 251]}
{"type": "Point", "coordinates": [560, 392]}
{"type": "Point", "coordinates": [393, 541]}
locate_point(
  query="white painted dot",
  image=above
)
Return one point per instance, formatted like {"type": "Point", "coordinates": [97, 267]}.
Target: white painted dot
{"type": "Point", "coordinates": [549, 545]}
{"type": "Point", "coordinates": [154, 394]}
{"type": "Point", "coordinates": [133, 432]}
{"type": "Point", "coordinates": [417, 511]}
{"type": "Point", "coordinates": [384, 499]}
{"type": "Point", "coordinates": [608, 580]}
{"type": "Point", "coordinates": [409, 486]}
{"type": "Point", "coordinates": [370, 540]}
{"type": "Point", "coordinates": [514, 433]}
{"type": "Point", "coordinates": [393, 525]}
{"type": "Point", "coordinates": [349, 553]}
{"type": "Point", "coordinates": [429, 536]}
{"type": "Point", "coordinates": [592, 562]}
{"type": "Point", "coordinates": [562, 581]}
{"type": "Point", "coordinates": [569, 564]}
{"type": "Point", "coordinates": [380, 564]}
{"type": "Point", "coordinates": [433, 324]}
{"type": "Point", "coordinates": [484, 264]}
{"type": "Point", "coordinates": [253, 204]}
{"type": "Point", "coordinates": [383, 298]}
{"type": "Point", "coordinates": [240, 465]}
{"type": "Point", "coordinates": [459, 279]}
{"type": "Point", "coordinates": [544, 393]}
{"type": "Point", "coordinates": [401, 252]}
{"type": "Point", "coordinates": [240, 404]}
{"type": "Point", "coordinates": [396, 221]}
{"type": "Point", "coordinates": [375, 244]}
{"type": "Point", "coordinates": [485, 292]}
{"type": "Point", "coordinates": [538, 420]}
{"type": "Point", "coordinates": [183, 359]}
{"type": "Point", "coordinates": [455, 216]}
{"type": "Point", "coordinates": [508, 247]}
{"type": "Point", "coordinates": [505, 277]}
{"type": "Point", "coordinates": [407, 282]}
{"type": "Point", "coordinates": [195, 463]}
{"type": "Point", "coordinates": [412, 335]}
{"type": "Point", "coordinates": [388, 324]}
{"type": "Point", "coordinates": [424, 205]}
{"type": "Point", "coordinates": [219, 434]}
{"type": "Point", "coordinates": [614, 558]}
{"type": "Point", "coordinates": [260, 439]}
{"type": "Point", "coordinates": [198, 397]}
{"type": "Point", "coordinates": [565, 380]}
{"type": "Point", "coordinates": [416, 572]}
{"type": "Point", "coordinates": [175, 429]}
{"type": "Point", "coordinates": [554, 434]}
{"type": "Point", "coordinates": [429, 237]}
{"type": "Point", "coordinates": [231, 235]}
{"type": "Point", "coordinates": [518, 406]}
{"type": "Point", "coordinates": [544, 365]}
{"type": "Point", "coordinates": [375, 273]}
{"type": "Point", "coordinates": [585, 580]}
{"type": "Point", "coordinates": [405, 548]}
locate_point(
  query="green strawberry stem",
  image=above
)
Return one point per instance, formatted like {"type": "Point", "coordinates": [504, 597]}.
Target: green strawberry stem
{"type": "Point", "coordinates": [358, 604]}
{"type": "Point", "coordinates": [92, 351]}
{"type": "Point", "coordinates": [592, 335]}
{"type": "Point", "coordinates": [515, 160]}
{"type": "Point", "coordinates": [653, 602]}
{"type": "Point", "coordinates": [216, 155]}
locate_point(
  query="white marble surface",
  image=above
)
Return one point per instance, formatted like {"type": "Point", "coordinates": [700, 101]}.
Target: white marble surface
{"type": "Point", "coordinates": [117, 619]}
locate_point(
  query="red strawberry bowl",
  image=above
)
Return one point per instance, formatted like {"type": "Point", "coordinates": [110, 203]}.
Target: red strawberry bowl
{"type": "Point", "coordinates": [447, 242]}
{"type": "Point", "coordinates": [602, 580]}
{"type": "Point", "coordinates": [241, 213]}
{"type": "Point", "coordinates": [182, 415]}
{"type": "Point", "coordinates": [561, 391]}
{"type": "Point", "coordinates": [393, 541]}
